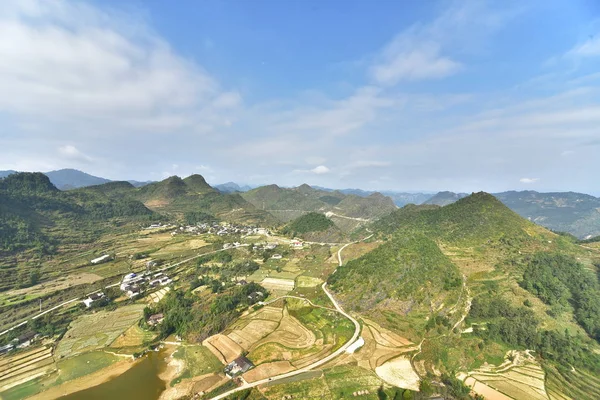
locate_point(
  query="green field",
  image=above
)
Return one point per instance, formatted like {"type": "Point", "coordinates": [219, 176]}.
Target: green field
{"type": "Point", "coordinates": [198, 361]}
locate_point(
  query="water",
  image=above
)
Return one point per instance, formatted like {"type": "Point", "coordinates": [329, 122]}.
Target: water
{"type": "Point", "coordinates": [141, 382]}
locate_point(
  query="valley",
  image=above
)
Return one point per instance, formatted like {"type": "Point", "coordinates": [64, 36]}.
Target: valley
{"type": "Point", "coordinates": [216, 301]}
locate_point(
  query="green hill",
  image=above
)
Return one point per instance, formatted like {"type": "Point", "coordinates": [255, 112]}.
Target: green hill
{"type": "Point", "coordinates": [314, 227]}
{"type": "Point", "coordinates": [575, 213]}
{"type": "Point", "coordinates": [528, 286]}
{"type": "Point", "coordinates": [347, 211]}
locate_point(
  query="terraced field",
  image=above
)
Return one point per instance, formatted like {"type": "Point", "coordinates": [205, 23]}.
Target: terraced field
{"type": "Point", "coordinates": [520, 376]}
{"type": "Point", "coordinates": [98, 330]}
{"type": "Point", "coordinates": [25, 366]}
{"type": "Point", "coordinates": [571, 385]}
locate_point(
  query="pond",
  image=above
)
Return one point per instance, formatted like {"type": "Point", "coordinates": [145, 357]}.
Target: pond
{"type": "Point", "coordinates": [141, 382]}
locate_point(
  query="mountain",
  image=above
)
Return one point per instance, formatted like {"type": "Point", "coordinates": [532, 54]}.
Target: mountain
{"type": "Point", "coordinates": [400, 198]}
{"type": "Point", "coordinates": [314, 227]}
{"type": "Point", "coordinates": [65, 179]}
{"type": "Point", "coordinates": [472, 280]}
{"type": "Point", "coordinates": [570, 212]}
{"type": "Point", "coordinates": [231, 187]}
{"type": "Point", "coordinates": [4, 174]}
{"type": "Point", "coordinates": [36, 218]}
{"type": "Point", "coordinates": [346, 211]}
{"type": "Point", "coordinates": [445, 198]}
{"type": "Point", "coordinates": [182, 197]}
{"type": "Point", "coordinates": [574, 213]}
{"type": "Point", "coordinates": [140, 183]}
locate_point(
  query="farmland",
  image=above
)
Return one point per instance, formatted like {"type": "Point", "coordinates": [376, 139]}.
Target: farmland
{"type": "Point", "coordinates": [98, 330]}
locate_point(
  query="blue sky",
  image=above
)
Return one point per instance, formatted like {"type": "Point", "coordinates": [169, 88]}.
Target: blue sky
{"type": "Point", "coordinates": [401, 95]}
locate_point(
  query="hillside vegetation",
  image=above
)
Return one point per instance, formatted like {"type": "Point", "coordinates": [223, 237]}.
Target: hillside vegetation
{"type": "Point", "coordinates": [347, 211]}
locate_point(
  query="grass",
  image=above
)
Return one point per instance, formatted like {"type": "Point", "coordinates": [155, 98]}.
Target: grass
{"type": "Point", "coordinates": [24, 390]}
{"type": "Point", "coordinates": [347, 379]}
{"type": "Point", "coordinates": [84, 364]}
{"type": "Point", "coordinates": [198, 361]}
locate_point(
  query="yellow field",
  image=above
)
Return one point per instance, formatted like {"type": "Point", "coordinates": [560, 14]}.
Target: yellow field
{"type": "Point", "coordinates": [266, 370]}
{"type": "Point", "coordinates": [25, 366]}
{"type": "Point", "coordinates": [522, 378]}
{"type": "Point", "coordinates": [225, 349]}
{"type": "Point", "coordinates": [308, 281]}
{"type": "Point", "coordinates": [290, 333]}
{"type": "Point", "coordinates": [400, 373]}
{"type": "Point", "coordinates": [278, 284]}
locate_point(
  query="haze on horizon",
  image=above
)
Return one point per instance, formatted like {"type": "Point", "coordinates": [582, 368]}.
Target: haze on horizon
{"type": "Point", "coordinates": [456, 95]}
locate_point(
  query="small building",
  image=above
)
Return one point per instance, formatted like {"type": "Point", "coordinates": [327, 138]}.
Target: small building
{"type": "Point", "coordinates": [276, 256]}
{"type": "Point", "coordinates": [151, 264]}
{"type": "Point", "coordinates": [25, 339]}
{"type": "Point", "coordinates": [297, 244]}
{"type": "Point", "coordinates": [134, 291]}
{"type": "Point", "coordinates": [100, 259]}
{"type": "Point", "coordinates": [5, 349]}
{"type": "Point", "coordinates": [242, 282]}
{"type": "Point", "coordinates": [270, 246]}
{"type": "Point", "coordinates": [92, 298]}
{"type": "Point", "coordinates": [155, 319]}
{"type": "Point", "coordinates": [238, 367]}
{"type": "Point", "coordinates": [165, 280]}
{"type": "Point", "coordinates": [256, 296]}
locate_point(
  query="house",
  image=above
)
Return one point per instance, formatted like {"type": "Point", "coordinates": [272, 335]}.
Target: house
{"type": "Point", "coordinates": [151, 264]}
{"type": "Point", "coordinates": [101, 259]}
{"type": "Point", "coordinates": [25, 339]}
{"type": "Point", "coordinates": [238, 366]}
{"type": "Point", "coordinates": [165, 280]}
{"type": "Point", "coordinates": [270, 246]}
{"type": "Point", "coordinates": [7, 348]}
{"type": "Point", "coordinates": [242, 282]}
{"type": "Point", "coordinates": [92, 298]}
{"type": "Point", "coordinates": [134, 291]}
{"type": "Point", "coordinates": [276, 256]}
{"type": "Point", "coordinates": [255, 296]}
{"type": "Point", "coordinates": [297, 244]}
{"type": "Point", "coordinates": [155, 319]}
{"type": "Point", "coordinates": [227, 246]}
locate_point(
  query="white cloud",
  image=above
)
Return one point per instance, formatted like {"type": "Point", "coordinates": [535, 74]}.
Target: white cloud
{"type": "Point", "coordinates": [405, 60]}
{"type": "Point", "coordinates": [320, 170]}
{"type": "Point", "coordinates": [528, 180]}
{"type": "Point", "coordinates": [71, 152]}
{"type": "Point", "coordinates": [589, 48]}
{"type": "Point", "coordinates": [73, 63]}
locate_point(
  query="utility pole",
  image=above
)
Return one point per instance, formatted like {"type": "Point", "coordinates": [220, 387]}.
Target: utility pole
{"type": "Point", "coordinates": [40, 305]}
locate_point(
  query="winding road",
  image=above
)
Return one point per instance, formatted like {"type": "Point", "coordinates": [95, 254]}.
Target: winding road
{"type": "Point", "coordinates": [317, 363]}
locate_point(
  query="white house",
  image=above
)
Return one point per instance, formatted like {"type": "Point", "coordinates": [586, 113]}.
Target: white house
{"type": "Point", "coordinates": [297, 244]}
{"type": "Point", "coordinates": [101, 259]}
{"type": "Point", "coordinates": [92, 298]}
{"type": "Point", "coordinates": [276, 256]}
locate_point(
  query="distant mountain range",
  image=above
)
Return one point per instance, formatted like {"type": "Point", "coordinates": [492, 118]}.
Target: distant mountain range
{"type": "Point", "coordinates": [68, 178]}
{"type": "Point", "coordinates": [445, 198]}
{"type": "Point", "coordinates": [347, 211]}
{"type": "Point", "coordinates": [232, 187]}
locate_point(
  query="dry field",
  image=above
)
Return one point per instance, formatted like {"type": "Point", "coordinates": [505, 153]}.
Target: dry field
{"type": "Point", "coordinates": [266, 370]}
{"type": "Point", "coordinates": [225, 349]}
{"type": "Point", "coordinates": [158, 295]}
{"type": "Point", "coordinates": [252, 332]}
{"type": "Point", "coordinates": [308, 281]}
{"type": "Point", "coordinates": [380, 346]}
{"type": "Point", "coordinates": [278, 284]}
{"type": "Point", "coordinates": [521, 378]}
{"type": "Point", "coordinates": [290, 333]}
{"type": "Point", "coordinates": [400, 373]}
{"type": "Point", "coordinates": [97, 330]}
{"type": "Point", "coordinates": [25, 366]}
{"type": "Point", "coordinates": [54, 285]}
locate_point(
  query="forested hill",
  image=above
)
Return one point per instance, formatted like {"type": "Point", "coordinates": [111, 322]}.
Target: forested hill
{"type": "Point", "coordinates": [441, 272]}
{"type": "Point", "coordinates": [178, 197]}
{"type": "Point", "coordinates": [35, 214]}
{"type": "Point", "coordinates": [346, 211]}
{"type": "Point", "coordinates": [574, 213]}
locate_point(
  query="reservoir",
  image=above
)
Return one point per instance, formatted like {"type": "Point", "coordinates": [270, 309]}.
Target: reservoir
{"type": "Point", "coordinates": [141, 382]}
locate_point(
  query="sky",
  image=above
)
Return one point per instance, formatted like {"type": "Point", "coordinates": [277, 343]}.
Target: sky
{"type": "Point", "coordinates": [388, 95]}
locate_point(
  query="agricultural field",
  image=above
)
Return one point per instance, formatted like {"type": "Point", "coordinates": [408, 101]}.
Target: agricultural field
{"type": "Point", "coordinates": [133, 337]}
{"type": "Point", "coordinates": [97, 330]}
{"type": "Point", "coordinates": [571, 384]}
{"type": "Point", "coordinates": [198, 361]}
{"type": "Point", "coordinates": [284, 285]}
{"type": "Point", "coordinates": [25, 366]}
{"type": "Point", "coordinates": [519, 376]}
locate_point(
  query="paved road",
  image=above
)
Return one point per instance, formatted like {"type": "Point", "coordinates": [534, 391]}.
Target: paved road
{"type": "Point", "coordinates": [109, 286]}
{"type": "Point", "coordinates": [317, 363]}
